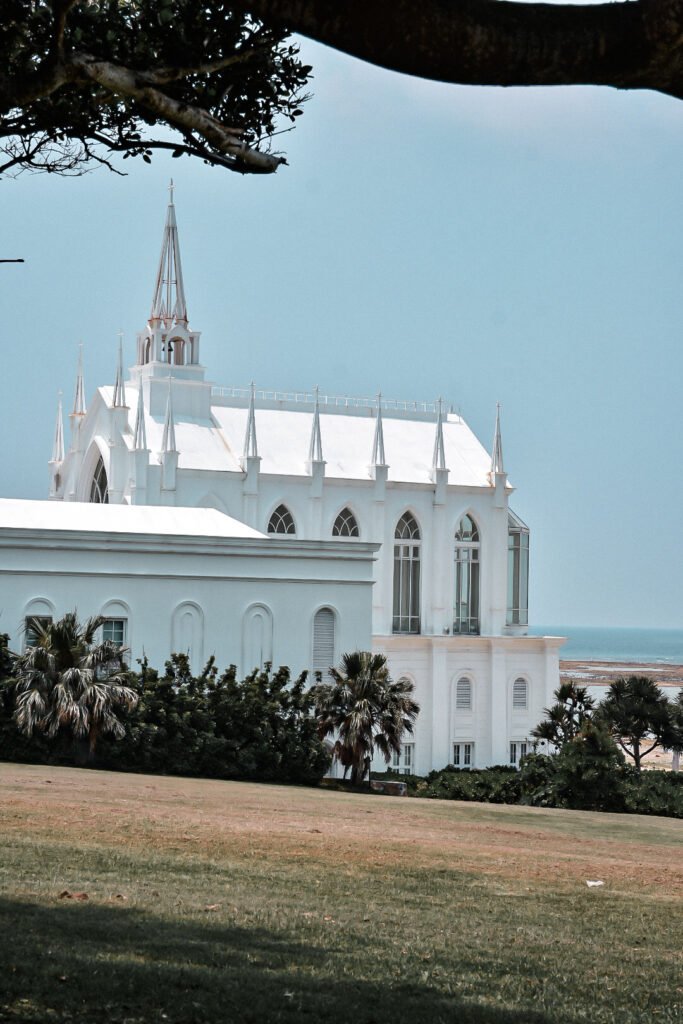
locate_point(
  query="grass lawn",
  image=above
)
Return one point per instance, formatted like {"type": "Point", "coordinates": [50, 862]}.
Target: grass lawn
{"type": "Point", "coordinates": [218, 902]}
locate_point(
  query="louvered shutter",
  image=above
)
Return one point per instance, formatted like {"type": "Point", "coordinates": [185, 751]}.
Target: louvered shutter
{"type": "Point", "coordinates": [323, 640]}
{"type": "Point", "coordinates": [463, 694]}
{"type": "Point", "coordinates": [519, 694]}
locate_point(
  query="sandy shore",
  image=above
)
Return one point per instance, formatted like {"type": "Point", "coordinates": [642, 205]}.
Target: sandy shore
{"type": "Point", "coordinates": [602, 673]}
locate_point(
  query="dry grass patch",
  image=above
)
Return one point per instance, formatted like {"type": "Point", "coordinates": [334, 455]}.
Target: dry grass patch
{"type": "Point", "coordinates": [212, 901]}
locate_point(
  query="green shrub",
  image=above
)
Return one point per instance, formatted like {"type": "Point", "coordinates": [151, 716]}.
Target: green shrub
{"type": "Point", "coordinates": [538, 780]}
{"type": "Point", "coordinates": [653, 792]}
{"type": "Point", "coordinates": [497, 785]}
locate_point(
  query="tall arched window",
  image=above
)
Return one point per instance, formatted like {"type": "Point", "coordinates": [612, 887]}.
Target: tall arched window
{"type": "Point", "coordinates": [345, 524]}
{"type": "Point", "coordinates": [99, 491]}
{"type": "Point", "coordinates": [466, 604]}
{"type": "Point", "coordinates": [406, 617]}
{"type": "Point", "coordinates": [282, 521]}
{"type": "Point", "coordinates": [323, 640]}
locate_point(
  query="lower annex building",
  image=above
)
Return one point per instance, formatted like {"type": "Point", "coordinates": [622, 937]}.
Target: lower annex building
{"type": "Point", "coordinates": [288, 527]}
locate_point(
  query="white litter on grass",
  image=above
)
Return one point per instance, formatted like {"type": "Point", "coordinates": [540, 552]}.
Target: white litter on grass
{"type": "Point", "coordinates": [591, 884]}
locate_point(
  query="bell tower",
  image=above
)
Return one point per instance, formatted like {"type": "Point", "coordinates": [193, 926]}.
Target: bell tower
{"type": "Point", "coordinates": [168, 346]}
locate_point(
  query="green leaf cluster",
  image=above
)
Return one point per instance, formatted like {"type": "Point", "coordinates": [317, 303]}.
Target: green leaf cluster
{"type": "Point", "coordinates": [206, 56]}
{"type": "Point", "coordinates": [216, 726]}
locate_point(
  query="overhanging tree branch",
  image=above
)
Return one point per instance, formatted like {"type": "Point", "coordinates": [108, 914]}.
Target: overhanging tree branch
{"type": "Point", "coordinates": [629, 45]}
{"type": "Point", "coordinates": [123, 82]}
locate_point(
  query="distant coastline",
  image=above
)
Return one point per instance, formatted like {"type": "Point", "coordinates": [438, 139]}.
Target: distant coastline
{"type": "Point", "coordinates": [633, 647]}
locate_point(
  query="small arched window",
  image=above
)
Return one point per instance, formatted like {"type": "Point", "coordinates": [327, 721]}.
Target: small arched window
{"type": "Point", "coordinates": [463, 694]}
{"type": "Point", "coordinates": [406, 617]}
{"type": "Point", "coordinates": [407, 528]}
{"type": "Point", "coordinates": [345, 524]}
{"type": "Point", "coordinates": [466, 603]}
{"type": "Point", "coordinates": [520, 695]}
{"type": "Point", "coordinates": [323, 640]}
{"type": "Point", "coordinates": [282, 521]}
{"type": "Point", "coordinates": [99, 491]}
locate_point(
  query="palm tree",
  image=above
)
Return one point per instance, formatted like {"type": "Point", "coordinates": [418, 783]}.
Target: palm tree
{"type": "Point", "coordinates": [572, 708]}
{"type": "Point", "coordinates": [365, 710]}
{"type": "Point", "coordinates": [636, 712]}
{"type": "Point", "coordinates": [67, 680]}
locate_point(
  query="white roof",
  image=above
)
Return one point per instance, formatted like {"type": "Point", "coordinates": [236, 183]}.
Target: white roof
{"type": "Point", "coordinates": [17, 514]}
{"type": "Point", "coordinates": [284, 435]}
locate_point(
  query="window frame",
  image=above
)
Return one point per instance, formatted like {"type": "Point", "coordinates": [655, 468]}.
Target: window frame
{"type": "Point", "coordinates": [518, 750]}
{"type": "Point", "coordinates": [30, 634]}
{"type": "Point", "coordinates": [517, 603]}
{"type": "Point", "coordinates": [282, 511]}
{"type": "Point", "coordinates": [99, 473]}
{"type": "Point", "coordinates": [346, 519]}
{"type": "Point", "coordinates": [463, 754]}
{"type": "Point", "coordinates": [407, 576]}
{"type": "Point", "coordinates": [402, 764]}
{"type": "Point", "coordinates": [467, 579]}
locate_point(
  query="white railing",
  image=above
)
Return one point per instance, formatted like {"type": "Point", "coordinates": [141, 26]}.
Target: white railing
{"type": "Point", "coordinates": [328, 401]}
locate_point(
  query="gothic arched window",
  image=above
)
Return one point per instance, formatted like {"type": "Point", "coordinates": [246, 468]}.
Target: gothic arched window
{"type": "Point", "coordinates": [345, 524]}
{"type": "Point", "coordinates": [282, 521]}
{"type": "Point", "coordinates": [99, 491]}
{"type": "Point", "coordinates": [466, 604]}
{"type": "Point", "coordinates": [406, 618]}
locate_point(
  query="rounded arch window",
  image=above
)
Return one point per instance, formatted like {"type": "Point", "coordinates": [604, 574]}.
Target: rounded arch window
{"type": "Point", "coordinates": [466, 600]}
{"type": "Point", "coordinates": [282, 522]}
{"type": "Point", "coordinates": [345, 525]}
{"type": "Point", "coordinates": [406, 607]}
{"type": "Point", "coordinates": [99, 489]}
{"type": "Point", "coordinates": [463, 694]}
{"type": "Point", "coordinates": [520, 694]}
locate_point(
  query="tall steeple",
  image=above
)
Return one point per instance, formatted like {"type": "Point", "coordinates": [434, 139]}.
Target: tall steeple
{"type": "Point", "coordinates": [378, 456]}
{"type": "Point", "coordinates": [497, 465]}
{"type": "Point", "coordinates": [79, 408]}
{"type": "Point", "coordinates": [140, 437]}
{"type": "Point", "coordinates": [168, 305]}
{"type": "Point", "coordinates": [439, 456]}
{"type": "Point", "coordinates": [58, 443]}
{"type": "Point", "coordinates": [119, 401]}
{"type": "Point", "coordinates": [168, 438]}
{"type": "Point", "coordinates": [315, 448]}
{"type": "Point", "coordinates": [250, 446]}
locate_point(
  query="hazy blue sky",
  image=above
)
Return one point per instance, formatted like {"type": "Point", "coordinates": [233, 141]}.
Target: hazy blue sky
{"type": "Point", "coordinates": [488, 245]}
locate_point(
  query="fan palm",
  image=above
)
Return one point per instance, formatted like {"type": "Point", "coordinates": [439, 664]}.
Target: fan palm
{"type": "Point", "coordinates": [68, 681]}
{"type": "Point", "coordinates": [365, 710]}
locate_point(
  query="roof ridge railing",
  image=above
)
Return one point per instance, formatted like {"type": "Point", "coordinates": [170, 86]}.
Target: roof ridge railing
{"type": "Point", "coordinates": [328, 401]}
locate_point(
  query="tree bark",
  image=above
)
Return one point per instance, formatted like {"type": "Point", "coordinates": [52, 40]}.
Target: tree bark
{"type": "Point", "coordinates": [629, 45]}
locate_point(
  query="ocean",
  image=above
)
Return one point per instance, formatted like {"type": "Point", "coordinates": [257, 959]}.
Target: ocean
{"type": "Point", "coordinates": [595, 643]}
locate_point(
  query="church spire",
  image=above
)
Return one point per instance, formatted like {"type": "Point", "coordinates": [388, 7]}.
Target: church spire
{"type": "Point", "coordinates": [378, 456]}
{"type": "Point", "coordinates": [140, 440]}
{"type": "Point", "coordinates": [168, 304]}
{"type": "Point", "coordinates": [315, 449]}
{"type": "Point", "coordinates": [439, 456]}
{"type": "Point", "coordinates": [250, 446]}
{"type": "Point", "coordinates": [79, 394]}
{"type": "Point", "coordinates": [497, 453]}
{"type": "Point", "coordinates": [58, 444]}
{"type": "Point", "coordinates": [168, 438]}
{"type": "Point", "coordinates": [119, 401]}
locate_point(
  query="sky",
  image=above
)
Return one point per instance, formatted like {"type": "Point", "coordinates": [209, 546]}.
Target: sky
{"type": "Point", "coordinates": [487, 245]}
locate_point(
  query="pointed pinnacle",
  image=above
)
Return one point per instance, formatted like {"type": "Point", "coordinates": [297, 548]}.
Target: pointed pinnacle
{"type": "Point", "coordinates": [58, 443]}
{"type": "Point", "coordinates": [378, 456]}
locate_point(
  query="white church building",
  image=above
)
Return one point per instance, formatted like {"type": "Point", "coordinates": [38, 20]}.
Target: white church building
{"type": "Point", "coordinates": [287, 527]}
